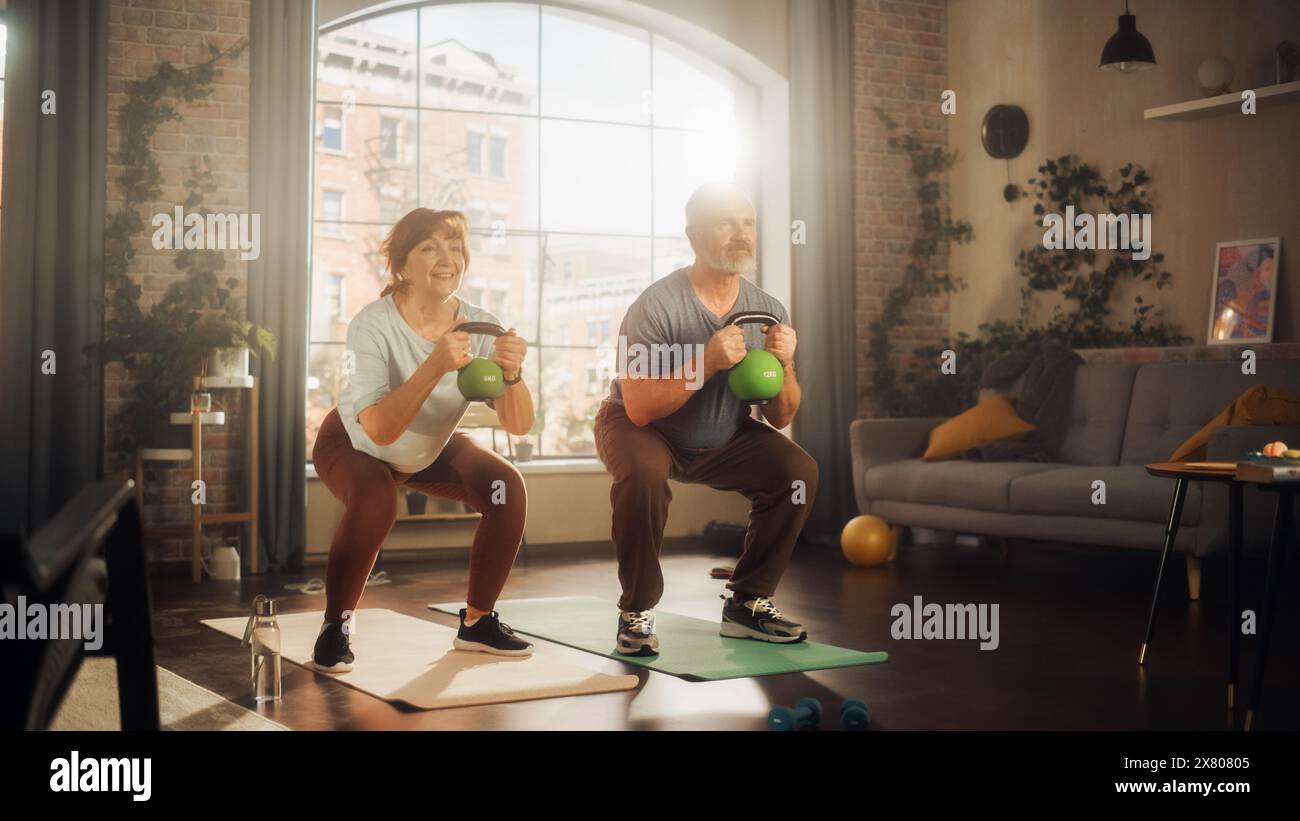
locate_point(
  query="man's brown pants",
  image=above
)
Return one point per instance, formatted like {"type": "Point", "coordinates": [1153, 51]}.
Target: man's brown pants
{"type": "Point", "coordinates": [758, 462]}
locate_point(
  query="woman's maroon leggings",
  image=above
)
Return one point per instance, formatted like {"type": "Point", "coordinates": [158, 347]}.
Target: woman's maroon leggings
{"type": "Point", "coordinates": [367, 486]}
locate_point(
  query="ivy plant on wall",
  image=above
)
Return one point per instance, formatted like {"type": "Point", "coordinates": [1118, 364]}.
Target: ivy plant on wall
{"type": "Point", "coordinates": [1082, 286]}
{"type": "Point", "coordinates": [165, 345]}
{"type": "Point", "coordinates": [892, 389]}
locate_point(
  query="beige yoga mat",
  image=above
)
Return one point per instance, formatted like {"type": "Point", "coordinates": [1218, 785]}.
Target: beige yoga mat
{"type": "Point", "coordinates": [402, 658]}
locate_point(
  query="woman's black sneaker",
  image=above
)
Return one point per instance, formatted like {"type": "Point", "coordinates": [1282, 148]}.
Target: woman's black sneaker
{"type": "Point", "coordinates": [333, 653]}
{"type": "Point", "coordinates": [489, 635]}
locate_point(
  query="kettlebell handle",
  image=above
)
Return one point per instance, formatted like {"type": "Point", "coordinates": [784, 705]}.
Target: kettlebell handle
{"type": "Point", "coordinates": [488, 328]}
{"type": "Point", "coordinates": [752, 318]}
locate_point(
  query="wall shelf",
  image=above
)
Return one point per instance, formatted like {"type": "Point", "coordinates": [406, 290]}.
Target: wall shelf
{"type": "Point", "coordinates": [1225, 103]}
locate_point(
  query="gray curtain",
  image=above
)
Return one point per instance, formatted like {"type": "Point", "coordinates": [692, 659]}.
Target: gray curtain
{"type": "Point", "coordinates": [282, 70]}
{"type": "Point", "coordinates": [821, 168]}
{"type": "Point", "coordinates": [51, 255]}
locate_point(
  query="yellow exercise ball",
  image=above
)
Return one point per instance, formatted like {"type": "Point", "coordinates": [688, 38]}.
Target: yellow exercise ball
{"type": "Point", "coordinates": [867, 541]}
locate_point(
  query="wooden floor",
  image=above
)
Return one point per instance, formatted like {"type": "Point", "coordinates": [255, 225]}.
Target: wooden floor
{"type": "Point", "coordinates": [1070, 622]}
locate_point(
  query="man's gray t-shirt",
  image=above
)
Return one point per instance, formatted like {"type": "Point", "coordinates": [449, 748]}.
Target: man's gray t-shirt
{"type": "Point", "coordinates": [670, 312]}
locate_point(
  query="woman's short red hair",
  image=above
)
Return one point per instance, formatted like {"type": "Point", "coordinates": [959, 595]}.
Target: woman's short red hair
{"type": "Point", "coordinates": [415, 228]}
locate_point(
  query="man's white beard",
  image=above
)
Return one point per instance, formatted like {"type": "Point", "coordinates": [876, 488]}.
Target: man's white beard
{"type": "Point", "coordinates": [727, 264]}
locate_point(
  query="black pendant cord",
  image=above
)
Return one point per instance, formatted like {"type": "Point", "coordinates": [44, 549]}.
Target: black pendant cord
{"type": "Point", "coordinates": [1011, 192]}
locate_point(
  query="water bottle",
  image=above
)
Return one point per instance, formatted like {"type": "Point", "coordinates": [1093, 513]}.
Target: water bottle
{"type": "Point", "coordinates": [263, 635]}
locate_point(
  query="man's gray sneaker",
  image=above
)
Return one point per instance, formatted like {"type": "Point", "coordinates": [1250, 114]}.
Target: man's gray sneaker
{"type": "Point", "coordinates": [636, 633]}
{"type": "Point", "coordinates": [758, 619]}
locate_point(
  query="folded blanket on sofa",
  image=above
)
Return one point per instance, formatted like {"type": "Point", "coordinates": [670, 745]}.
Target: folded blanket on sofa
{"type": "Point", "coordinates": [1044, 401]}
{"type": "Point", "coordinates": [1259, 405]}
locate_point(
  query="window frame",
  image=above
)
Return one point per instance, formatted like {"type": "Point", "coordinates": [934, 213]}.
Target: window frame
{"type": "Point", "coordinates": [492, 141]}
{"type": "Point", "coordinates": [342, 130]}
{"type": "Point", "coordinates": [473, 159]}
{"type": "Point", "coordinates": [343, 209]}
{"type": "Point", "coordinates": [768, 171]}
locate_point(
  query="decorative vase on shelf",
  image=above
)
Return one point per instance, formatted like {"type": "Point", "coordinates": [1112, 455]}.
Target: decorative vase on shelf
{"type": "Point", "coordinates": [1214, 74]}
{"type": "Point", "coordinates": [523, 451]}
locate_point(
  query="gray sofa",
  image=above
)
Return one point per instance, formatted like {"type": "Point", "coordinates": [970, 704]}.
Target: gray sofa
{"type": "Point", "coordinates": [1123, 416]}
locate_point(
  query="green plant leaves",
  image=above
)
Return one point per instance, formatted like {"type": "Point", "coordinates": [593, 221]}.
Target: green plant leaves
{"type": "Point", "coordinates": [163, 347]}
{"type": "Point", "coordinates": [1086, 289]}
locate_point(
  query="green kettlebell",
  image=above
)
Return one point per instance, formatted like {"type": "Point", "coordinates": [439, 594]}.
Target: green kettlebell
{"type": "Point", "coordinates": [482, 379]}
{"type": "Point", "coordinates": [759, 376]}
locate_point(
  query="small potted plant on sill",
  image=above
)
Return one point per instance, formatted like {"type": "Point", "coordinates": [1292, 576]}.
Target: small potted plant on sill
{"type": "Point", "coordinates": [416, 503]}
{"type": "Point", "coordinates": [524, 446]}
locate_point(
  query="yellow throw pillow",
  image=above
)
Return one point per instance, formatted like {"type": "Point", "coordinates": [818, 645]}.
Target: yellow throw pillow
{"type": "Point", "coordinates": [989, 421]}
{"type": "Point", "coordinates": [1258, 405]}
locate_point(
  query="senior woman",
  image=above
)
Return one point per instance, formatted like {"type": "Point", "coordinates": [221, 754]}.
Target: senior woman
{"type": "Point", "coordinates": [396, 426]}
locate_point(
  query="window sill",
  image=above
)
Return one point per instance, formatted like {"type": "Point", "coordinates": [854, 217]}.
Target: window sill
{"type": "Point", "coordinates": [576, 465]}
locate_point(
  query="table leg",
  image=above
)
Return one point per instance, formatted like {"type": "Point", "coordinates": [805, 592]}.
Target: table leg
{"type": "Point", "coordinates": [1171, 533]}
{"type": "Point", "coordinates": [1282, 529]}
{"type": "Point", "coordinates": [1234, 589]}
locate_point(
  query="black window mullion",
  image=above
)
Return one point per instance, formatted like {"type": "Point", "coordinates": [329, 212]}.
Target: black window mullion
{"type": "Point", "coordinates": [541, 240]}
{"type": "Point", "coordinates": [654, 102]}
{"type": "Point", "coordinates": [419, 112]}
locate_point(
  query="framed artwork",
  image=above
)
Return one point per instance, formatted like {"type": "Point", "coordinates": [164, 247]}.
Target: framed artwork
{"type": "Point", "coordinates": [1244, 298]}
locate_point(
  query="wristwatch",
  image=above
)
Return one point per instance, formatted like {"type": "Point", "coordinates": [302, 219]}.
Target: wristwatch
{"type": "Point", "coordinates": [518, 378]}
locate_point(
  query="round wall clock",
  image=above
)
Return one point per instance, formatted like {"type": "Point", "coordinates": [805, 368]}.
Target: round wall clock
{"type": "Point", "coordinates": [1005, 131]}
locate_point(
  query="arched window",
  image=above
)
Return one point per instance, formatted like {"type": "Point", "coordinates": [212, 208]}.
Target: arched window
{"type": "Point", "coordinates": [569, 139]}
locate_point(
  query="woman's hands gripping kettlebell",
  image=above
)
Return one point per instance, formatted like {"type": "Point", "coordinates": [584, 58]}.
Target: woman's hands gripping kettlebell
{"type": "Point", "coordinates": [451, 352]}
{"type": "Point", "coordinates": [509, 351]}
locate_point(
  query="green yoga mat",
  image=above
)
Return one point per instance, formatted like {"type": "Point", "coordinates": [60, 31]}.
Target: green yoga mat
{"type": "Point", "coordinates": [690, 648]}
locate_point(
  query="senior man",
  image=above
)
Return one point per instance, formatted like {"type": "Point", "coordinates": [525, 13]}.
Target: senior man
{"type": "Point", "coordinates": [688, 426]}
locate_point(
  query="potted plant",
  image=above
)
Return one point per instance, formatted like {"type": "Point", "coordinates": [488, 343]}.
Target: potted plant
{"type": "Point", "coordinates": [163, 350]}
{"type": "Point", "coordinates": [164, 343]}
{"type": "Point", "coordinates": [524, 447]}
{"type": "Point", "coordinates": [228, 340]}
{"type": "Point", "coordinates": [416, 503]}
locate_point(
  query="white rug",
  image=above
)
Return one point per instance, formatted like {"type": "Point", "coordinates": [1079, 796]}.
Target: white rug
{"type": "Point", "coordinates": [91, 703]}
{"type": "Point", "coordinates": [402, 658]}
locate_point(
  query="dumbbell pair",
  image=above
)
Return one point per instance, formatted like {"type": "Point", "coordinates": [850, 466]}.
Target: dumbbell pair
{"type": "Point", "coordinates": [808, 713]}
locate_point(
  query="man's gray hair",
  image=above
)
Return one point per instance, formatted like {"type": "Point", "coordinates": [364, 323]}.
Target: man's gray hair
{"type": "Point", "coordinates": [708, 197]}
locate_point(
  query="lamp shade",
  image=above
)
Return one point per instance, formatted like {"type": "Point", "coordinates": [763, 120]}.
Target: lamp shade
{"type": "Point", "coordinates": [1127, 50]}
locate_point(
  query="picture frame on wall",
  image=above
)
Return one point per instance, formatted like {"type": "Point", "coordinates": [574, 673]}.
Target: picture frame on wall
{"type": "Point", "coordinates": [1243, 298]}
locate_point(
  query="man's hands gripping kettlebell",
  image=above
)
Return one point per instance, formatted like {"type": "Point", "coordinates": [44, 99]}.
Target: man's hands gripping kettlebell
{"type": "Point", "coordinates": [781, 342]}
{"type": "Point", "coordinates": [724, 349]}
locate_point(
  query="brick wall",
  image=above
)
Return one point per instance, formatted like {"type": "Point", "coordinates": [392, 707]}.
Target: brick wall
{"type": "Point", "coordinates": [899, 64]}
{"type": "Point", "coordinates": [143, 33]}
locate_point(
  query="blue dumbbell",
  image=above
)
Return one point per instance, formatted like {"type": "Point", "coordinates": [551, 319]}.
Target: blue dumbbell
{"type": "Point", "coordinates": [807, 713]}
{"type": "Point", "coordinates": [854, 715]}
